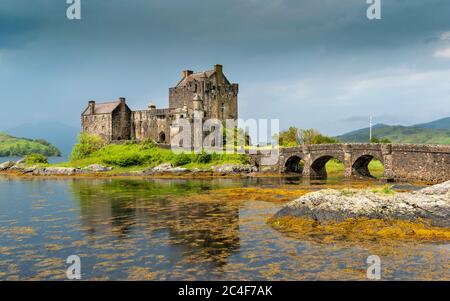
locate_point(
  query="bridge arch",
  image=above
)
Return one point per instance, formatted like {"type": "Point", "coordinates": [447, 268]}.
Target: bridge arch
{"type": "Point", "coordinates": [318, 166]}
{"type": "Point", "coordinates": [294, 164]}
{"type": "Point", "coordinates": [360, 165]}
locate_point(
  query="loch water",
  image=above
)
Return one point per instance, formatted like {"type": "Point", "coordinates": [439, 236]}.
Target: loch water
{"type": "Point", "coordinates": [182, 229]}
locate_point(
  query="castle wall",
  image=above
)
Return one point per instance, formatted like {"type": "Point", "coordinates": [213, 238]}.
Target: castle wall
{"type": "Point", "coordinates": [215, 95]}
{"type": "Point", "coordinates": [99, 124]}
{"type": "Point", "coordinates": [121, 125]}
{"type": "Point", "coordinates": [149, 126]}
{"type": "Point", "coordinates": [115, 121]}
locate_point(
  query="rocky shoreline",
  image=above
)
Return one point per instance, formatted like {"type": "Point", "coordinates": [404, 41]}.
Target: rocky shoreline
{"type": "Point", "coordinates": [165, 169]}
{"type": "Point", "coordinates": [431, 204]}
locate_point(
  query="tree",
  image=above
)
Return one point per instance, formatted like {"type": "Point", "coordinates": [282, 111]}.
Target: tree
{"type": "Point", "coordinates": [380, 140]}
{"type": "Point", "coordinates": [312, 136]}
{"type": "Point", "coordinates": [87, 144]}
{"type": "Point", "coordinates": [294, 136]}
{"type": "Point", "coordinates": [289, 137]}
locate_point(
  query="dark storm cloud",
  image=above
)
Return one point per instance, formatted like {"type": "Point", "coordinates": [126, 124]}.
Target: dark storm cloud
{"type": "Point", "coordinates": [306, 56]}
{"type": "Point", "coordinates": [247, 25]}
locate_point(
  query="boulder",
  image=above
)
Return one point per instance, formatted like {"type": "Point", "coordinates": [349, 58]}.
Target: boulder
{"type": "Point", "coordinates": [162, 167]}
{"type": "Point", "coordinates": [6, 165]}
{"type": "Point", "coordinates": [21, 161]}
{"type": "Point", "coordinates": [50, 171]}
{"type": "Point", "coordinates": [234, 168]}
{"type": "Point", "coordinates": [166, 168]}
{"type": "Point", "coordinates": [98, 168]}
{"type": "Point", "coordinates": [431, 203]}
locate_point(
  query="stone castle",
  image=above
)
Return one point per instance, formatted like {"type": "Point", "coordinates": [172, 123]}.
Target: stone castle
{"type": "Point", "coordinates": [208, 93]}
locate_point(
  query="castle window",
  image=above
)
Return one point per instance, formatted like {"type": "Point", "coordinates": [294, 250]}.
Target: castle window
{"type": "Point", "coordinates": [222, 110]}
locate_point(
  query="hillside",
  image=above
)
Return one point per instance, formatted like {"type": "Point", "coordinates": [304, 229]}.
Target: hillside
{"type": "Point", "coordinates": [400, 134]}
{"type": "Point", "coordinates": [61, 135]}
{"type": "Point", "coordinates": [443, 124]}
{"type": "Point", "coordinates": [13, 146]}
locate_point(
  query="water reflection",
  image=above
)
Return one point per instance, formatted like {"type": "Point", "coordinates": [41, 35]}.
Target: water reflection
{"type": "Point", "coordinates": [121, 207]}
{"type": "Point", "coordinates": [181, 230]}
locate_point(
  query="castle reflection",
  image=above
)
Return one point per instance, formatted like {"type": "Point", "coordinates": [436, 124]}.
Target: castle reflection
{"type": "Point", "coordinates": [169, 212]}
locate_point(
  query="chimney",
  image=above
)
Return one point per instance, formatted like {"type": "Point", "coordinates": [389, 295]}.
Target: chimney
{"type": "Point", "coordinates": [91, 106]}
{"type": "Point", "coordinates": [122, 99]}
{"type": "Point", "coordinates": [152, 107]}
{"type": "Point", "coordinates": [186, 73]}
{"type": "Point", "coordinates": [219, 73]}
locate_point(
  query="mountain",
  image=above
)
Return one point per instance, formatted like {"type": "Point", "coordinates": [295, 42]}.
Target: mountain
{"type": "Point", "coordinates": [400, 134]}
{"type": "Point", "coordinates": [11, 146]}
{"type": "Point", "coordinates": [443, 124]}
{"type": "Point", "coordinates": [61, 135]}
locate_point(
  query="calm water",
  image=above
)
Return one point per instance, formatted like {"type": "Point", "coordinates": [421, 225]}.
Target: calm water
{"type": "Point", "coordinates": [178, 230]}
{"type": "Point", "coordinates": [50, 159]}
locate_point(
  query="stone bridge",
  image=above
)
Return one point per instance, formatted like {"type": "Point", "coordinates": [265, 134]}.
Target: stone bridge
{"type": "Point", "coordinates": [400, 161]}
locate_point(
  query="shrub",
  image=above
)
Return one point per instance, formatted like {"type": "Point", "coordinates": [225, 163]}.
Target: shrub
{"type": "Point", "coordinates": [125, 160]}
{"type": "Point", "coordinates": [87, 144]}
{"type": "Point", "coordinates": [182, 159]}
{"type": "Point", "coordinates": [36, 159]}
{"type": "Point", "coordinates": [203, 157]}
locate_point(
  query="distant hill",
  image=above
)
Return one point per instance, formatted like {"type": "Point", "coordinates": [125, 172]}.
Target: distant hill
{"type": "Point", "coordinates": [443, 124]}
{"type": "Point", "coordinates": [12, 146]}
{"type": "Point", "coordinates": [61, 135]}
{"type": "Point", "coordinates": [401, 134]}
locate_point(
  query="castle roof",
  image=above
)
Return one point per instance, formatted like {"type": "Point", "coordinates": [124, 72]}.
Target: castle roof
{"type": "Point", "coordinates": [104, 108]}
{"type": "Point", "coordinates": [198, 76]}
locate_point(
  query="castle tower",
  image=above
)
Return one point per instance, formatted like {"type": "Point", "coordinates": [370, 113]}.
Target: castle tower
{"type": "Point", "coordinates": [218, 95]}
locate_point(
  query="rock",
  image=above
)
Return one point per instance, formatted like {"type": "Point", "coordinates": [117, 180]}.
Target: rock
{"type": "Point", "coordinates": [443, 188]}
{"type": "Point", "coordinates": [6, 165]}
{"type": "Point", "coordinates": [50, 171]}
{"type": "Point", "coordinates": [166, 168]}
{"type": "Point", "coordinates": [97, 168]}
{"type": "Point", "coordinates": [21, 161]}
{"type": "Point", "coordinates": [234, 168]}
{"type": "Point", "coordinates": [162, 167]}
{"type": "Point", "coordinates": [431, 203]}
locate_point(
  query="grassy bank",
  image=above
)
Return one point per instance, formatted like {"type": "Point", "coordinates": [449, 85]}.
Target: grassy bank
{"type": "Point", "coordinates": [133, 156]}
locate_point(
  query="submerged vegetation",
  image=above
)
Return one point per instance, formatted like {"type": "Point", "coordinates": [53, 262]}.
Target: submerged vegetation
{"type": "Point", "coordinates": [360, 229]}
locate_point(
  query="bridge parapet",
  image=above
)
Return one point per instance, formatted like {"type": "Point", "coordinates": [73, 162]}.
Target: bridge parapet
{"type": "Point", "coordinates": [401, 161]}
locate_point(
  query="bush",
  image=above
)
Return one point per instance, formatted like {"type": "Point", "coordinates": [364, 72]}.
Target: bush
{"type": "Point", "coordinates": [125, 160]}
{"type": "Point", "coordinates": [36, 159]}
{"type": "Point", "coordinates": [203, 157]}
{"type": "Point", "coordinates": [87, 144]}
{"type": "Point", "coordinates": [380, 140]}
{"type": "Point", "coordinates": [182, 159]}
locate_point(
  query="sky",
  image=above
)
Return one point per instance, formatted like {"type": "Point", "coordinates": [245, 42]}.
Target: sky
{"type": "Point", "coordinates": [312, 64]}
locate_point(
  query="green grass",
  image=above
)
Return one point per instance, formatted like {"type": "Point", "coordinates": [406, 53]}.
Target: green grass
{"type": "Point", "coordinates": [335, 167]}
{"type": "Point", "coordinates": [135, 157]}
{"type": "Point", "coordinates": [12, 146]}
{"type": "Point", "coordinates": [386, 189]}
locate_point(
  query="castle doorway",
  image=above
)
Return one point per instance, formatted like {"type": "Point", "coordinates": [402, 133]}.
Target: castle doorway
{"type": "Point", "coordinates": [162, 137]}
